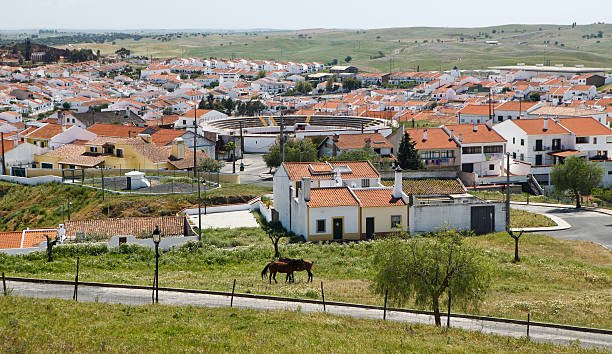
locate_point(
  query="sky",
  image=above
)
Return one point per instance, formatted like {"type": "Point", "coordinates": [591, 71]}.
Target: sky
{"type": "Point", "coordinates": [295, 14]}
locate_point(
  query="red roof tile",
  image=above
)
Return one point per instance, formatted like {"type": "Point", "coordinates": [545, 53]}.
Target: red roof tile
{"type": "Point", "coordinates": [369, 198]}
{"type": "Point", "coordinates": [331, 197]}
{"type": "Point", "coordinates": [586, 126]}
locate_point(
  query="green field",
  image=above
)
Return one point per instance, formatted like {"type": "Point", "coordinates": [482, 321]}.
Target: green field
{"type": "Point", "coordinates": [35, 325]}
{"type": "Point", "coordinates": [403, 48]}
{"type": "Point", "coordinates": [557, 280]}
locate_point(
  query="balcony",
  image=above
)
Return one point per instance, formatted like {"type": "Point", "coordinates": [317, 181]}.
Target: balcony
{"type": "Point", "coordinates": [548, 148]}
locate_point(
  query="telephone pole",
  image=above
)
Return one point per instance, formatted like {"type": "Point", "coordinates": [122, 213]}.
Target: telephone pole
{"type": "Point", "coordinates": [3, 159]}
{"type": "Point", "coordinates": [195, 141]}
{"type": "Point", "coordinates": [282, 140]}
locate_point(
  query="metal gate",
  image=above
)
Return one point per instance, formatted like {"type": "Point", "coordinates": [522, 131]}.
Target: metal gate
{"type": "Point", "coordinates": [483, 219]}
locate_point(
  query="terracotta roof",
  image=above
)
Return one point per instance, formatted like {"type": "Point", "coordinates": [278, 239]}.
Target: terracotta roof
{"type": "Point", "coordinates": [358, 169]}
{"type": "Point", "coordinates": [33, 238]}
{"type": "Point", "coordinates": [164, 137]}
{"type": "Point", "coordinates": [380, 197]}
{"type": "Point", "coordinates": [430, 186]}
{"type": "Point", "coordinates": [47, 131]}
{"type": "Point", "coordinates": [586, 126]}
{"type": "Point", "coordinates": [477, 109]}
{"type": "Point", "coordinates": [331, 197]}
{"type": "Point", "coordinates": [436, 139]}
{"type": "Point", "coordinates": [73, 154]}
{"type": "Point", "coordinates": [169, 225]}
{"type": "Point", "coordinates": [358, 141]}
{"type": "Point", "coordinates": [536, 127]}
{"type": "Point", "coordinates": [482, 135]}
{"type": "Point", "coordinates": [515, 106]}
{"type": "Point", "coordinates": [566, 153]}
{"type": "Point", "coordinates": [10, 239]}
{"type": "Point", "coordinates": [115, 130]}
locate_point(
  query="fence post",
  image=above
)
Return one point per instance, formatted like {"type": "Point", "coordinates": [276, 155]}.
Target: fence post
{"type": "Point", "coordinates": [323, 296]}
{"type": "Point", "coordinates": [75, 296]}
{"type": "Point", "coordinates": [385, 308]}
{"type": "Point", "coordinates": [233, 288]}
{"type": "Point", "coordinates": [528, 320]}
{"type": "Point", "coordinates": [153, 287]}
{"type": "Point", "coordinates": [4, 283]}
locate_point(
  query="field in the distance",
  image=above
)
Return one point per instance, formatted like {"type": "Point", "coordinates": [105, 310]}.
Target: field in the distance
{"type": "Point", "coordinates": [403, 48]}
{"type": "Point", "coordinates": [36, 325]}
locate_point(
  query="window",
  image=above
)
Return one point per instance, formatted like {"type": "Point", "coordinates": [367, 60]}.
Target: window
{"type": "Point", "coordinates": [93, 149]}
{"type": "Point", "coordinates": [500, 118]}
{"type": "Point", "coordinates": [514, 155]}
{"type": "Point", "coordinates": [513, 140]}
{"type": "Point", "coordinates": [522, 142]}
{"type": "Point", "coordinates": [365, 182]}
{"type": "Point", "coordinates": [493, 149]}
{"type": "Point", "coordinates": [522, 157]}
{"type": "Point", "coordinates": [184, 121]}
{"type": "Point", "coordinates": [582, 140]}
{"type": "Point", "coordinates": [594, 140]}
{"type": "Point", "coordinates": [396, 220]}
{"type": "Point", "coordinates": [472, 150]}
{"type": "Point", "coordinates": [610, 172]}
{"type": "Point", "coordinates": [321, 225]}
{"type": "Point", "coordinates": [491, 167]}
{"type": "Point", "coordinates": [46, 165]}
{"type": "Point", "coordinates": [119, 152]}
{"type": "Point", "coordinates": [298, 186]}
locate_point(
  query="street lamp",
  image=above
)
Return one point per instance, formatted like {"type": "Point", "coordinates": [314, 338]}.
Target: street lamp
{"type": "Point", "coordinates": [156, 239]}
{"type": "Point", "coordinates": [69, 204]}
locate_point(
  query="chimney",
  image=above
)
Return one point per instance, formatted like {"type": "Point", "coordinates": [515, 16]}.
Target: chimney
{"type": "Point", "coordinates": [306, 188]}
{"type": "Point", "coordinates": [127, 112]}
{"type": "Point", "coordinates": [178, 148]}
{"type": "Point", "coordinates": [338, 179]}
{"type": "Point", "coordinates": [424, 134]}
{"type": "Point", "coordinates": [475, 127]}
{"type": "Point", "coordinates": [368, 143]}
{"type": "Point", "coordinates": [397, 185]}
{"type": "Point", "coordinates": [452, 134]}
{"type": "Point", "coordinates": [545, 124]}
{"type": "Point", "coordinates": [460, 137]}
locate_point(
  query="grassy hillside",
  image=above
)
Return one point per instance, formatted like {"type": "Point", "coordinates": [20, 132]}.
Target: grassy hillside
{"type": "Point", "coordinates": [557, 280]}
{"type": "Point", "coordinates": [36, 325]}
{"type": "Point", "coordinates": [404, 48]}
{"type": "Point", "coordinates": [45, 205]}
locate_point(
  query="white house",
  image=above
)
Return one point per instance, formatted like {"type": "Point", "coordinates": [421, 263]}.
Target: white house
{"type": "Point", "coordinates": [11, 117]}
{"type": "Point", "coordinates": [203, 115]}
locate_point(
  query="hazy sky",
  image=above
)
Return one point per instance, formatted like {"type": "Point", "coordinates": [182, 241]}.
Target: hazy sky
{"type": "Point", "coordinates": [292, 14]}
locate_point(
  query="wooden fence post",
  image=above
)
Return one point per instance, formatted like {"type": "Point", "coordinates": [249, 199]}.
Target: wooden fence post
{"type": "Point", "coordinates": [385, 308]}
{"type": "Point", "coordinates": [528, 320]}
{"type": "Point", "coordinates": [75, 296]}
{"type": "Point", "coordinates": [323, 296]}
{"type": "Point", "coordinates": [4, 284]}
{"type": "Point", "coordinates": [233, 288]}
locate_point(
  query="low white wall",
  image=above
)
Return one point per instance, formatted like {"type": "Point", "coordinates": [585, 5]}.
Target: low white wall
{"type": "Point", "coordinates": [32, 181]}
{"type": "Point", "coordinates": [258, 144]}
{"type": "Point", "coordinates": [429, 218]}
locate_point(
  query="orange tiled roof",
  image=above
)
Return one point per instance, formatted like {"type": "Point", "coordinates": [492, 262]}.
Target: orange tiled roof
{"type": "Point", "coordinates": [477, 109]}
{"type": "Point", "coordinates": [331, 197]}
{"type": "Point", "coordinates": [359, 169]}
{"type": "Point", "coordinates": [482, 135]}
{"type": "Point", "coordinates": [170, 226]}
{"type": "Point", "coordinates": [10, 240]}
{"type": "Point", "coordinates": [536, 127]}
{"type": "Point", "coordinates": [164, 137]}
{"type": "Point", "coordinates": [436, 139]}
{"type": "Point", "coordinates": [381, 197]}
{"type": "Point", "coordinates": [115, 130]}
{"type": "Point", "coordinates": [47, 131]}
{"type": "Point", "coordinates": [358, 141]}
{"type": "Point", "coordinates": [586, 126]}
{"type": "Point", "coordinates": [515, 106]}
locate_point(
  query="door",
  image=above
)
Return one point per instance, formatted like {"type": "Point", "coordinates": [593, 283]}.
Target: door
{"type": "Point", "coordinates": [483, 219]}
{"type": "Point", "coordinates": [369, 228]}
{"type": "Point", "coordinates": [467, 167]}
{"type": "Point", "coordinates": [538, 160]}
{"type": "Point", "coordinates": [539, 145]}
{"type": "Point", "coordinates": [556, 144]}
{"type": "Point", "coordinates": [338, 228]}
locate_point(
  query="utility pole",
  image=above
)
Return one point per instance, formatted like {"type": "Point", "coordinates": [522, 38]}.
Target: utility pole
{"type": "Point", "coordinates": [508, 191]}
{"type": "Point", "coordinates": [199, 208]}
{"type": "Point", "coordinates": [234, 153]}
{"type": "Point", "coordinates": [3, 159]}
{"type": "Point", "coordinates": [241, 143]}
{"type": "Point", "coordinates": [282, 140]}
{"type": "Point", "coordinates": [489, 104]}
{"type": "Point", "coordinates": [195, 141]}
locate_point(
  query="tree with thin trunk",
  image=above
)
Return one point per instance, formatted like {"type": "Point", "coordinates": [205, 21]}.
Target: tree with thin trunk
{"type": "Point", "coordinates": [576, 175]}
{"type": "Point", "coordinates": [275, 232]}
{"type": "Point", "coordinates": [425, 268]}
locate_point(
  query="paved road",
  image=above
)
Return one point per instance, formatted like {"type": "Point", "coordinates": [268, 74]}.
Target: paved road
{"type": "Point", "coordinates": [586, 225]}
{"type": "Point", "coordinates": [254, 168]}
{"type": "Point", "coordinates": [141, 297]}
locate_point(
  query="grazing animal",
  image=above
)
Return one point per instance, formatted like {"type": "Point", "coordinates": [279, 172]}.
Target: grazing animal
{"type": "Point", "coordinates": [292, 265]}
{"type": "Point", "coordinates": [276, 267]}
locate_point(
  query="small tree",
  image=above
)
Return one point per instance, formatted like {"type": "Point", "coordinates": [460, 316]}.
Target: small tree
{"type": "Point", "coordinates": [365, 154]}
{"type": "Point", "coordinates": [407, 156]}
{"type": "Point", "coordinates": [275, 232]}
{"type": "Point", "coordinates": [348, 59]}
{"type": "Point", "coordinates": [576, 175]}
{"type": "Point", "coordinates": [66, 105]}
{"type": "Point", "coordinates": [426, 268]}
{"type": "Point", "coordinates": [296, 150]}
{"type": "Point", "coordinates": [208, 164]}
{"type": "Point", "coordinates": [329, 85]}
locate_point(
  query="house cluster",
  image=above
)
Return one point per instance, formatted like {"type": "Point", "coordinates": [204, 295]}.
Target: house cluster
{"type": "Point", "coordinates": [347, 201]}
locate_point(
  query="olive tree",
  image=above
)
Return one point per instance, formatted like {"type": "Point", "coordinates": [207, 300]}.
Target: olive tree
{"type": "Point", "coordinates": [576, 175]}
{"type": "Point", "coordinates": [424, 268]}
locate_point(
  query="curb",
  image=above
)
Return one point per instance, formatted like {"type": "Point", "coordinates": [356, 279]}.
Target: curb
{"type": "Point", "coordinates": [565, 206]}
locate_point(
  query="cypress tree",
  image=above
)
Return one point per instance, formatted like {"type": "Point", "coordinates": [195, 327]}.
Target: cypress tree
{"type": "Point", "coordinates": [407, 156]}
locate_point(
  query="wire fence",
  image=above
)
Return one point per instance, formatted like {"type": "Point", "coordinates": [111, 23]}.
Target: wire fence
{"type": "Point", "coordinates": [153, 182]}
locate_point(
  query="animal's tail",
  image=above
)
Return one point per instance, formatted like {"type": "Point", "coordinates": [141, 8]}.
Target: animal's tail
{"type": "Point", "coordinates": [265, 271]}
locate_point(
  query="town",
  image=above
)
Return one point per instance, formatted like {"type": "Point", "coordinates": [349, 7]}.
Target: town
{"type": "Point", "coordinates": [366, 180]}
